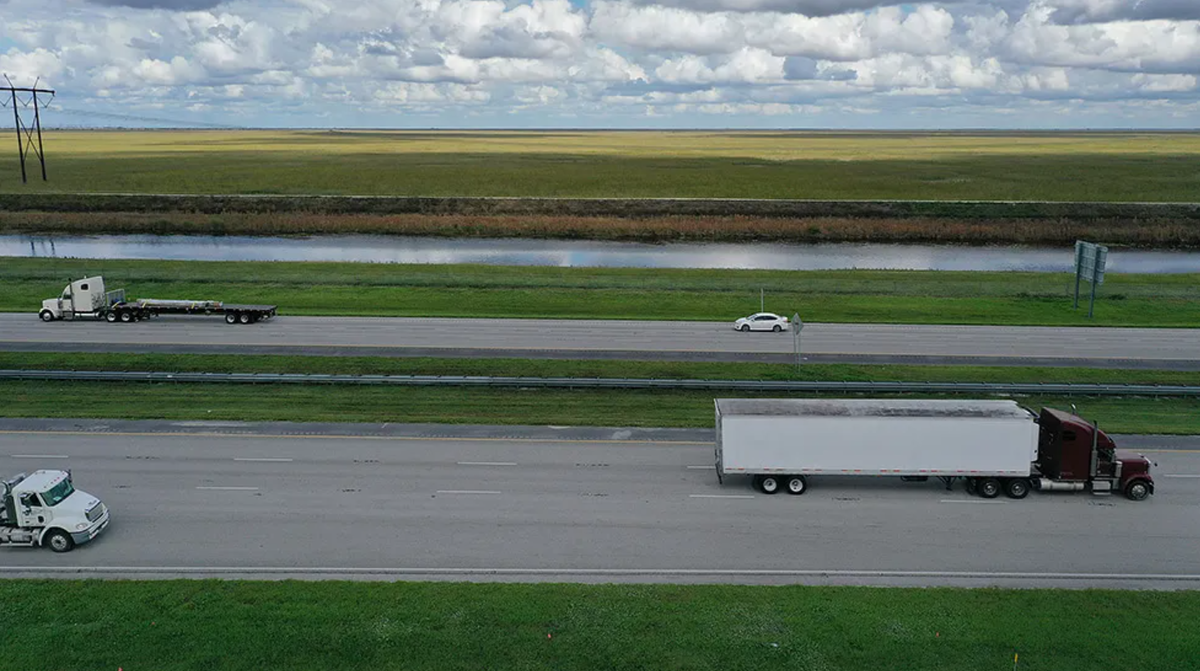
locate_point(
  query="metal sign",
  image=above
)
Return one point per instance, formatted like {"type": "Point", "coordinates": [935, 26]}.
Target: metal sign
{"type": "Point", "coordinates": [1090, 260]}
{"type": "Point", "coordinates": [797, 326]}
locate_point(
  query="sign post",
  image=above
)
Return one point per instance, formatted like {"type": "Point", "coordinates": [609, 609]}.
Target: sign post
{"type": "Point", "coordinates": [796, 326]}
{"type": "Point", "coordinates": [1090, 261]}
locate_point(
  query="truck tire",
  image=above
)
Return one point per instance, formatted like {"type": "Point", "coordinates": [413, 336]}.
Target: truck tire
{"type": "Point", "coordinates": [1017, 488]}
{"type": "Point", "coordinates": [244, 318]}
{"type": "Point", "coordinates": [767, 484]}
{"type": "Point", "coordinates": [989, 488]}
{"type": "Point", "coordinates": [46, 315]}
{"type": "Point", "coordinates": [796, 484]}
{"type": "Point", "coordinates": [58, 540]}
{"type": "Point", "coordinates": [110, 316]}
{"type": "Point", "coordinates": [1138, 490]}
{"type": "Point", "coordinates": [125, 316]}
{"type": "Point", "coordinates": [230, 318]}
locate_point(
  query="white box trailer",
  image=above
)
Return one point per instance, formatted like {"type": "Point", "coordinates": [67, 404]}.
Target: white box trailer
{"type": "Point", "coordinates": [781, 442]}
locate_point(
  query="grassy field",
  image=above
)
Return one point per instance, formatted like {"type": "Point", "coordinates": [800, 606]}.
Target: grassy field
{"type": "Point", "coordinates": [208, 363]}
{"type": "Point", "coordinates": [337, 403]}
{"type": "Point", "coordinates": [622, 293]}
{"type": "Point", "coordinates": [1129, 167]}
{"type": "Point", "coordinates": [233, 625]}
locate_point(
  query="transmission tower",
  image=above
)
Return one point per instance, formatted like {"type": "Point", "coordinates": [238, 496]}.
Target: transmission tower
{"type": "Point", "coordinates": [25, 132]}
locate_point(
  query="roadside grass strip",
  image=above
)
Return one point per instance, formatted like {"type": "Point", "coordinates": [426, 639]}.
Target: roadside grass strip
{"type": "Point", "coordinates": [551, 407]}
{"type": "Point", "coordinates": [246, 625]}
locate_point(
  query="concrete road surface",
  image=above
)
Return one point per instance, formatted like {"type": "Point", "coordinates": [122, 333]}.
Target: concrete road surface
{"type": "Point", "coordinates": [380, 506]}
{"type": "Point", "coordinates": [700, 341]}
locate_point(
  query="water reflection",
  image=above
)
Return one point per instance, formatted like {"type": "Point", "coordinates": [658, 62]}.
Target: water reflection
{"type": "Point", "coordinates": [572, 253]}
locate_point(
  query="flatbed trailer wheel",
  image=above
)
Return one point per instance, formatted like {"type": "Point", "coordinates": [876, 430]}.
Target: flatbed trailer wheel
{"type": "Point", "coordinates": [244, 318]}
{"type": "Point", "coordinates": [230, 318]}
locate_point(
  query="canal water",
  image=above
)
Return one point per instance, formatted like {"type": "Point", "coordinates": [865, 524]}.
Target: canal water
{"type": "Point", "coordinates": [586, 253]}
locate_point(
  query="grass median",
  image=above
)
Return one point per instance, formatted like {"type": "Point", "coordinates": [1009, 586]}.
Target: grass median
{"type": "Point", "coordinates": [170, 625]}
{"type": "Point", "coordinates": [474, 291]}
{"type": "Point", "coordinates": [444, 405]}
{"type": "Point", "coordinates": [669, 370]}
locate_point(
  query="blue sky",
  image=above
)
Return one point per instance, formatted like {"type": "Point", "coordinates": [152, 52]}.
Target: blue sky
{"type": "Point", "coordinates": [856, 64]}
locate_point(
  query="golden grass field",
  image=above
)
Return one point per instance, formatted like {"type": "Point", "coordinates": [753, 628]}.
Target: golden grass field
{"type": "Point", "coordinates": [1129, 167]}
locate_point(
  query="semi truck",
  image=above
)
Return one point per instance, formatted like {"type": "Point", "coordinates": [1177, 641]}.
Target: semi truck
{"type": "Point", "coordinates": [44, 508]}
{"type": "Point", "coordinates": [87, 299]}
{"type": "Point", "coordinates": [994, 446]}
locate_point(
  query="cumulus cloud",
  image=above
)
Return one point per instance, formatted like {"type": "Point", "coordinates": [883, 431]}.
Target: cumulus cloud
{"type": "Point", "coordinates": [664, 59]}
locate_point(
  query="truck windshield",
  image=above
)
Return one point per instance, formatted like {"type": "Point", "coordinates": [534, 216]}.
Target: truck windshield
{"type": "Point", "coordinates": [57, 493]}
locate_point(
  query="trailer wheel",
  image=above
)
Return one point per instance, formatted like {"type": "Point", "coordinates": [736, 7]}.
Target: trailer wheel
{"type": "Point", "coordinates": [230, 318]}
{"type": "Point", "coordinates": [125, 316]}
{"type": "Point", "coordinates": [989, 488]}
{"type": "Point", "coordinates": [1137, 490]}
{"type": "Point", "coordinates": [1017, 488]}
{"type": "Point", "coordinates": [59, 540]}
{"type": "Point", "coordinates": [244, 318]}
{"type": "Point", "coordinates": [46, 315]}
{"type": "Point", "coordinates": [110, 316]}
{"type": "Point", "coordinates": [767, 484]}
{"type": "Point", "coordinates": [796, 485]}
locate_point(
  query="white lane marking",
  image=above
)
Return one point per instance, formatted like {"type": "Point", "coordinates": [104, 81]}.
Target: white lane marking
{"type": "Point", "coordinates": [466, 491]}
{"type": "Point", "coordinates": [993, 503]}
{"type": "Point", "coordinates": [720, 496]}
{"type": "Point", "coordinates": [230, 489]}
{"type": "Point", "coordinates": [701, 468]}
{"type": "Point", "coordinates": [39, 456]}
{"type": "Point", "coordinates": [811, 573]}
{"type": "Point", "coordinates": [262, 459]}
{"type": "Point", "coordinates": [1181, 475]}
{"type": "Point", "coordinates": [487, 463]}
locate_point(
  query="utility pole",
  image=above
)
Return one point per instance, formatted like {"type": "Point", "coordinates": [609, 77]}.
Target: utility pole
{"type": "Point", "coordinates": [26, 134]}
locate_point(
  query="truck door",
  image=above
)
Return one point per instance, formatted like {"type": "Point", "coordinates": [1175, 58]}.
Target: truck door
{"type": "Point", "coordinates": [31, 512]}
{"type": "Point", "coordinates": [67, 303]}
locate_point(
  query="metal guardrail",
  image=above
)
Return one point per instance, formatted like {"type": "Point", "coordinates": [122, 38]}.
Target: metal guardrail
{"type": "Point", "coordinates": [613, 383]}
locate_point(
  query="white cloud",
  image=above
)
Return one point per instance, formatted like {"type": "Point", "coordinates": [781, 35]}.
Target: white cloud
{"type": "Point", "coordinates": [320, 59]}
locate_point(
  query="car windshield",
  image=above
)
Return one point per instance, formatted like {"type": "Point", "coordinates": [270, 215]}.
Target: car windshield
{"type": "Point", "coordinates": [57, 493]}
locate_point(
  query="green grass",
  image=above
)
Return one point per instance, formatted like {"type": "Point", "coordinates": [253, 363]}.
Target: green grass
{"type": "Point", "coordinates": [234, 625]}
{"type": "Point", "coordinates": [249, 363]}
{"type": "Point", "coordinates": [1137, 166]}
{"type": "Point", "coordinates": [440, 405]}
{"type": "Point", "coordinates": [935, 297]}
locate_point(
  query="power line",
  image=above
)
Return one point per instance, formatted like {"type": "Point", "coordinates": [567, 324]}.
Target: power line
{"type": "Point", "coordinates": [25, 133]}
{"type": "Point", "coordinates": [144, 119]}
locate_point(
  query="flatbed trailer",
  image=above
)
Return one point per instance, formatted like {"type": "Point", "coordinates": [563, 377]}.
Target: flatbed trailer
{"type": "Point", "coordinates": [87, 299]}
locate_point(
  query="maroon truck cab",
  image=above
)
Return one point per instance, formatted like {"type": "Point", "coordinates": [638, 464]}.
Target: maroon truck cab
{"type": "Point", "coordinates": [1073, 454]}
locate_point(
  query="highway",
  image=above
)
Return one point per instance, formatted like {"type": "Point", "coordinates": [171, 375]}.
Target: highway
{"type": "Point", "coordinates": [592, 505]}
{"type": "Point", "coordinates": [693, 341]}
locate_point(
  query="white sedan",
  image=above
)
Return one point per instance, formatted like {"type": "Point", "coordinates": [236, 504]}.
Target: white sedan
{"type": "Point", "coordinates": [762, 321]}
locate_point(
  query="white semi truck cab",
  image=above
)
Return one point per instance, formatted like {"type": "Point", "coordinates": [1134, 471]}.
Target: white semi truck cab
{"type": "Point", "coordinates": [44, 508]}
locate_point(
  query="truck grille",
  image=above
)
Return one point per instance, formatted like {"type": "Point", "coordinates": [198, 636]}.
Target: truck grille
{"type": "Point", "coordinates": [96, 513]}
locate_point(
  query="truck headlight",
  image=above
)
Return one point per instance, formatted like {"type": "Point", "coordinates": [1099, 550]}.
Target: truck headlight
{"type": "Point", "coordinates": [81, 526]}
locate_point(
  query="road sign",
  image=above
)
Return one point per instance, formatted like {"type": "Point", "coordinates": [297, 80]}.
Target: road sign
{"type": "Point", "coordinates": [797, 325]}
{"type": "Point", "coordinates": [1090, 261]}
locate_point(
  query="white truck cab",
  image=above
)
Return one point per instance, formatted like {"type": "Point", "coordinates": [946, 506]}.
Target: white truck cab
{"type": "Point", "coordinates": [44, 508]}
{"type": "Point", "coordinates": [80, 299]}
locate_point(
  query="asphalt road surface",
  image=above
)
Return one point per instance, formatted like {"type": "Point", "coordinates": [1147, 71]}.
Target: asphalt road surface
{"type": "Point", "coordinates": [696, 341]}
{"type": "Point", "coordinates": [540, 506]}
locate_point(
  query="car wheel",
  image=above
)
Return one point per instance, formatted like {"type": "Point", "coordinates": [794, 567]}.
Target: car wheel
{"type": "Point", "coordinates": [59, 540]}
{"type": "Point", "coordinates": [777, 328]}
{"type": "Point", "coordinates": [744, 328]}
